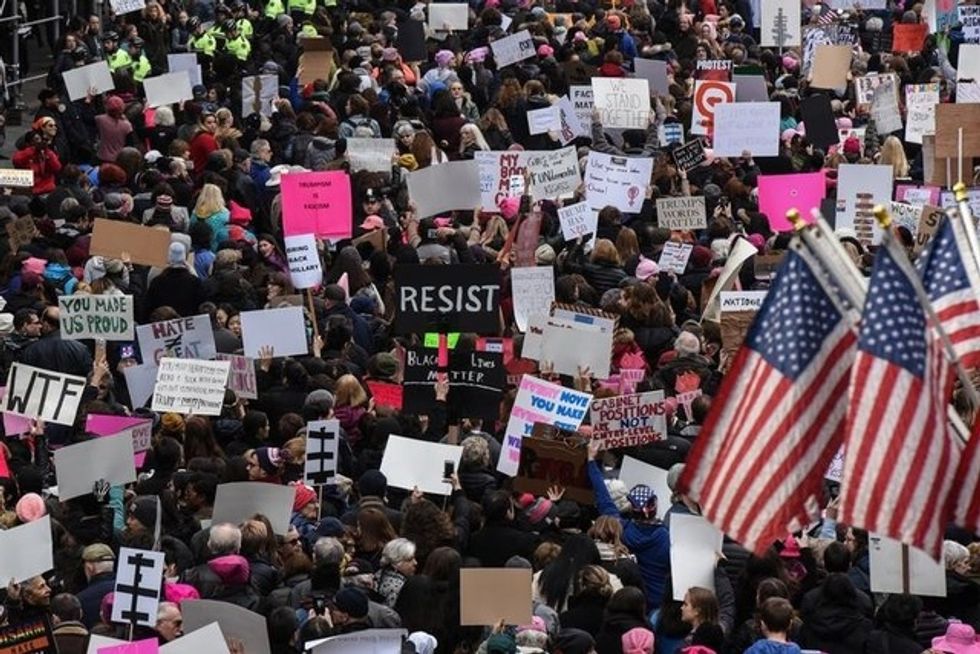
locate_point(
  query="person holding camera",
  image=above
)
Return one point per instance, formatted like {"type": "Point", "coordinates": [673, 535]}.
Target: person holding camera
{"type": "Point", "coordinates": [36, 153]}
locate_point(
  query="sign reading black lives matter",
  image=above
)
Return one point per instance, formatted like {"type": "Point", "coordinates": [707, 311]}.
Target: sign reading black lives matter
{"type": "Point", "coordinates": [475, 382]}
{"type": "Point", "coordinates": [463, 298]}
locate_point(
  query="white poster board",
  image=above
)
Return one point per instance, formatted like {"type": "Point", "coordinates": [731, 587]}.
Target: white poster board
{"type": "Point", "coordinates": [304, 261]}
{"type": "Point", "coordinates": [695, 547]}
{"type": "Point", "coordinates": [206, 639]}
{"type": "Point", "coordinates": [633, 472]}
{"type": "Point", "coordinates": [191, 386]}
{"type": "Point", "coordinates": [370, 154]}
{"type": "Point", "coordinates": [780, 24]}
{"type": "Point", "coordinates": [534, 291]}
{"type": "Point", "coordinates": [446, 16]}
{"type": "Point", "coordinates": [44, 394]}
{"type": "Point", "coordinates": [94, 77]}
{"type": "Point", "coordinates": [139, 582]}
{"type": "Point", "coordinates": [554, 173]}
{"type": "Point", "coordinates": [322, 438]}
{"type": "Point", "coordinates": [541, 121]}
{"type": "Point", "coordinates": [27, 550]}
{"type": "Point", "coordinates": [622, 102]}
{"type": "Point", "coordinates": [511, 49]}
{"type": "Point", "coordinates": [746, 127]}
{"type": "Point", "coordinates": [446, 187]}
{"type": "Point", "coordinates": [408, 463]}
{"type": "Point", "coordinates": [282, 329]}
{"type": "Point", "coordinates": [170, 88]}
{"type": "Point", "coordinates": [859, 188]}
{"type": "Point", "coordinates": [682, 212]}
{"type": "Point", "coordinates": [578, 220]}
{"type": "Point", "coordinates": [620, 182]}
{"type": "Point", "coordinates": [238, 501]}
{"type": "Point", "coordinates": [188, 61]}
{"type": "Point", "coordinates": [183, 338]}
{"type": "Point", "coordinates": [674, 256]}
{"type": "Point", "coordinates": [926, 577]}
{"type": "Point", "coordinates": [571, 346]}
{"type": "Point", "coordinates": [920, 104]}
{"type": "Point", "coordinates": [80, 465]}
{"type": "Point", "coordinates": [109, 317]}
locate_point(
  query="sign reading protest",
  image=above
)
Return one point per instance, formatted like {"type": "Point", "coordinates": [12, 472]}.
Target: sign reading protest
{"type": "Point", "coordinates": [682, 212]}
{"type": "Point", "coordinates": [317, 203]}
{"type": "Point", "coordinates": [622, 102]}
{"type": "Point", "coordinates": [190, 385]}
{"type": "Point", "coordinates": [242, 378]}
{"type": "Point", "coordinates": [184, 338]}
{"type": "Point", "coordinates": [43, 394]}
{"type": "Point", "coordinates": [629, 420]}
{"type": "Point", "coordinates": [304, 261]}
{"type": "Point", "coordinates": [430, 300]}
{"type": "Point", "coordinates": [108, 317]}
{"type": "Point", "coordinates": [476, 380]}
{"type": "Point", "coordinates": [617, 181]}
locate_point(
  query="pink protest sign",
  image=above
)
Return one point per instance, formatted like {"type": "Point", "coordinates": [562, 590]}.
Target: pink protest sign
{"type": "Point", "coordinates": [140, 429]}
{"type": "Point", "coordinates": [147, 646]}
{"type": "Point", "coordinates": [317, 203]}
{"type": "Point", "coordinates": [780, 193]}
{"type": "Point", "coordinates": [919, 195]}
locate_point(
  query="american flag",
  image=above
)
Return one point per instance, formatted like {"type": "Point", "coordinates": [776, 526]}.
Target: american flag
{"type": "Point", "coordinates": [900, 456]}
{"type": "Point", "coordinates": [952, 281]}
{"type": "Point", "coordinates": [778, 419]}
{"type": "Point", "coordinates": [967, 502]}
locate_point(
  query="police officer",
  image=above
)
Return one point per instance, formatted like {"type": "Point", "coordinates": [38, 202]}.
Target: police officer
{"type": "Point", "coordinates": [240, 12]}
{"type": "Point", "coordinates": [201, 40]}
{"type": "Point", "coordinates": [116, 58]}
{"type": "Point", "coordinates": [141, 65]}
{"type": "Point", "coordinates": [301, 10]}
{"type": "Point", "coordinates": [235, 42]}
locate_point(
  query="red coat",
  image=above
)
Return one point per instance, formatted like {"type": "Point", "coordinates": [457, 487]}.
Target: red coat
{"type": "Point", "coordinates": [202, 145]}
{"type": "Point", "coordinates": [45, 164]}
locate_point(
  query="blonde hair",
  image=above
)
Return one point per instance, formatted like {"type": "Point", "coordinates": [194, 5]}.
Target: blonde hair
{"type": "Point", "coordinates": [475, 136]}
{"type": "Point", "coordinates": [604, 250]}
{"type": "Point", "coordinates": [209, 201]}
{"type": "Point", "coordinates": [893, 154]}
{"type": "Point", "coordinates": [349, 392]}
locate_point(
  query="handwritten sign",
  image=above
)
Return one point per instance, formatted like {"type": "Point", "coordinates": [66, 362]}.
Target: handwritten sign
{"type": "Point", "coordinates": [682, 212]}
{"type": "Point", "coordinates": [920, 103]}
{"type": "Point", "coordinates": [742, 300]}
{"type": "Point", "coordinates": [554, 173]}
{"type": "Point", "coordinates": [108, 317]}
{"type": "Point", "coordinates": [317, 203]}
{"type": "Point", "coordinates": [370, 154]}
{"type": "Point", "coordinates": [582, 100]}
{"type": "Point", "coordinates": [550, 462]}
{"type": "Point", "coordinates": [577, 220]}
{"type": "Point", "coordinates": [94, 78]}
{"type": "Point", "coordinates": [191, 385]}
{"type": "Point", "coordinates": [674, 257]}
{"type": "Point", "coordinates": [540, 121]}
{"type": "Point", "coordinates": [242, 378]}
{"type": "Point", "coordinates": [629, 420]}
{"type": "Point", "coordinates": [185, 338]}
{"type": "Point", "coordinates": [747, 127]}
{"type": "Point", "coordinates": [534, 291]}
{"type": "Point", "coordinates": [496, 170]}
{"type": "Point", "coordinates": [690, 155]}
{"type": "Point", "coordinates": [620, 182]}
{"type": "Point", "coordinates": [304, 261]}
{"type": "Point", "coordinates": [622, 102]}
{"type": "Point", "coordinates": [511, 49]}
{"type": "Point", "coordinates": [44, 394]}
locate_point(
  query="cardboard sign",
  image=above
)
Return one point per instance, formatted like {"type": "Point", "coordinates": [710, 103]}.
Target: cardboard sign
{"type": "Point", "coordinates": [950, 118]}
{"type": "Point", "coordinates": [920, 104]}
{"type": "Point", "coordinates": [370, 154]}
{"type": "Point", "coordinates": [629, 420]}
{"type": "Point", "coordinates": [544, 402]}
{"type": "Point", "coordinates": [139, 582]}
{"type": "Point", "coordinates": [831, 63]}
{"type": "Point", "coordinates": [546, 463]}
{"type": "Point", "coordinates": [236, 623]}
{"type": "Point", "coordinates": [446, 187]}
{"type": "Point", "coordinates": [476, 382]}
{"type": "Point", "coordinates": [554, 173]}
{"type": "Point", "coordinates": [533, 291]}
{"type": "Point", "coordinates": [622, 102]}
{"type": "Point", "coordinates": [780, 193]}
{"type": "Point", "coordinates": [318, 59]}
{"type": "Point", "coordinates": [94, 78]}
{"type": "Point", "coordinates": [11, 178]}
{"type": "Point", "coordinates": [317, 203]}
{"type": "Point", "coordinates": [654, 72]}
{"type": "Point", "coordinates": [109, 317]}
{"type": "Point", "coordinates": [322, 438]}
{"type": "Point", "coordinates": [620, 182]}
{"type": "Point", "coordinates": [708, 94]}
{"type": "Point", "coordinates": [908, 37]}
{"type": "Point", "coordinates": [43, 394]}
{"type": "Point", "coordinates": [182, 338]}
{"type": "Point", "coordinates": [242, 376]}
{"type": "Point", "coordinates": [20, 231]}
{"type": "Point", "coordinates": [685, 213]}
{"type": "Point", "coordinates": [447, 16]}
{"type": "Point", "coordinates": [690, 155]}
{"type": "Point", "coordinates": [427, 299]}
{"type": "Point", "coordinates": [408, 463]}
{"type": "Point", "coordinates": [147, 246]}
{"type": "Point", "coordinates": [386, 394]}
{"type": "Point", "coordinates": [26, 550]}
{"type": "Point", "coordinates": [511, 49]}
{"type": "Point", "coordinates": [695, 545]}
{"type": "Point", "coordinates": [747, 127]}
{"type": "Point", "coordinates": [780, 25]}
{"type": "Point", "coordinates": [928, 225]}
{"type": "Point", "coordinates": [282, 329]}
{"type": "Point", "coordinates": [80, 465]}
{"type": "Point", "coordinates": [167, 89]}
{"type": "Point", "coordinates": [238, 501]}
{"type": "Point", "coordinates": [488, 595]}
{"type": "Point", "coordinates": [738, 309]}
{"type": "Point", "coordinates": [926, 577]}
{"type": "Point", "coordinates": [859, 189]}
{"type": "Point", "coordinates": [28, 637]}
{"type": "Point", "coordinates": [674, 257]}
{"type": "Point", "coordinates": [190, 385]}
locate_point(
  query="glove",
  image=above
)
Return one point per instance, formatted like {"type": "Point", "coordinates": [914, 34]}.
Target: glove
{"type": "Point", "coordinates": [100, 489]}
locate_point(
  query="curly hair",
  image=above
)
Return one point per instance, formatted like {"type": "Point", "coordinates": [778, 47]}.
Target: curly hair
{"type": "Point", "coordinates": [426, 525]}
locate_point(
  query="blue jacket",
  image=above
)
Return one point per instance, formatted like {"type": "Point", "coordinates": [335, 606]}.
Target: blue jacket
{"type": "Point", "coordinates": [649, 542]}
{"type": "Point", "coordinates": [766, 646]}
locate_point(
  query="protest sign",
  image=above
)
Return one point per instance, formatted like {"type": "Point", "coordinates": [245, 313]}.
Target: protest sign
{"type": "Point", "coordinates": [167, 89]}
{"type": "Point", "coordinates": [750, 88]}
{"type": "Point", "coordinates": [140, 380]}
{"type": "Point", "coordinates": [109, 317]}
{"type": "Point", "coordinates": [317, 60]}
{"type": "Point", "coordinates": [738, 309]}
{"type": "Point", "coordinates": [411, 40]}
{"type": "Point", "coordinates": [571, 346]}
{"type": "Point", "coordinates": [138, 586]}
{"type": "Point", "coordinates": [780, 193]}
{"type": "Point", "coordinates": [20, 231]}
{"type": "Point", "coordinates": [674, 257]}
{"type": "Point", "coordinates": [235, 622]}
{"type": "Point", "coordinates": [831, 63]}
{"type": "Point", "coordinates": [446, 187]}
{"type": "Point", "coordinates": [147, 246]}
{"type": "Point", "coordinates": [969, 18]}
{"type": "Point", "coordinates": [821, 124]}
{"type": "Point", "coordinates": [476, 381]}
{"type": "Point", "coordinates": [27, 550]}
{"type": "Point", "coordinates": [366, 641]}
{"type": "Point", "coordinates": [967, 92]}
{"type": "Point", "coordinates": [183, 338]}
{"type": "Point", "coordinates": [408, 463]}
{"type": "Point", "coordinates": [146, 646]}
{"type": "Point", "coordinates": [582, 101]}
{"type": "Point", "coordinates": [682, 212]}
{"type": "Point", "coordinates": [920, 105]}
{"type": "Point", "coordinates": [190, 385]}
{"type": "Point", "coordinates": [284, 330]}
{"type": "Point", "coordinates": [496, 171]}
{"type": "Point", "coordinates": [919, 195]}
{"type": "Point", "coordinates": [317, 203]}
{"type": "Point", "coordinates": [740, 252]}
{"type": "Point", "coordinates": [242, 376]}
{"type": "Point", "coordinates": [238, 501]}
{"type": "Point", "coordinates": [633, 472]}
{"type": "Point", "coordinates": [140, 430]}
{"type": "Point", "coordinates": [370, 154]}
{"type": "Point", "coordinates": [695, 545]}
{"type": "Point", "coordinates": [928, 225]}
{"type": "Point", "coordinates": [540, 121]}
{"type": "Point", "coordinates": [950, 120]}
{"type": "Point", "coordinates": [10, 178]}
{"type": "Point", "coordinates": [884, 108]}
{"type": "Point", "coordinates": [204, 639]}
{"type": "Point", "coordinates": [926, 577]}
{"type": "Point", "coordinates": [708, 94]}
{"type": "Point", "coordinates": [258, 94]}
{"type": "Point", "coordinates": [719, 70]}
{"type": "Point", "coordinates": [429, 300]}
{"type": "Point", "coordinates": [539, 401]}
{"type": "Point", "coordinates": [741, 300]}
{"type": "Point", "coordinates": [690, 155]}
{"type": "Point", "coordinates": [547, 462]}
{"type": "Point", "coordinates": [629, 420]}
{"type": "Point", "coordinates": [304, 261]}
{"type": "Point", "coordinates": [968, 62]}
{"type": "Point", "coordinates": [908, 37]}
{"type": "Point", "coordinates": [746, 127]}
{"type": "Point", "coordinates": [622, 102]}
{"type": "Point", "coordinates": [386, 394]}
{"type": "Point", "coordinates": [553, 174]}
{"type": "Point", "coordinates": [188, 61]}
{"type": "Point", "coordinates": [569, 125]}
{"type": "Point", "coordinates": [44, 394]}
{"type": "Point", "coordinates": [93, 78]}
{"type": "Point", "coordinates": [533, 291]}
{"type": "Point", "coordinates": [511, 49]}
{"type": "Point", "coordinates": [865, 85]}
{"type": "Point", "coordinates": [576, 220]}
{"type": "Point", "coordinates": [28, 636]}
{"type": "Point", "coordinates": [620, 182]}
{"type": "Point", "coordinates": [780, 26]}
{"type": "Point", "coordinates": [80, 465]}
{"type": "Point", "coordinates": [488, 595]}
{"type": "Point", "coordinates": [859, 188]}
{"type": "Point", "coordinates": [447, 16]}
{"type": "Point", "coordinates": [654, 72]}
{"type": "Point", "coordinates": [120, 7]}
{"type": "Point", "coordinates": [905, 215]}
{"type": "Point", "coordinates": [322, 438]}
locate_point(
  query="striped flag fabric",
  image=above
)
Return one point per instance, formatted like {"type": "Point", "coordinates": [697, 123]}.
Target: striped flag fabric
{"type": "Point", "coordinates": [779, 416]}
{"type": "Point", "coordinates": [950, 277]}
{"type": "Point", "coordinates": [900, 455]}
{"type": "Point", "coordinates": [967, 501]}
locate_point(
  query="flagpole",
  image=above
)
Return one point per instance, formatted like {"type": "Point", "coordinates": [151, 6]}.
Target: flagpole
{"type": "Point", "coordinates": [898, 254]}
{"type": "Point", "coordinates": [965, 214]}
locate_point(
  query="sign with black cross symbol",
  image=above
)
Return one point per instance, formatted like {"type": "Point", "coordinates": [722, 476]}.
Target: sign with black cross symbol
{"type": "Point", "coordinates": [139, 579]}
{"type": "Point", "coordinates": [322, 437]}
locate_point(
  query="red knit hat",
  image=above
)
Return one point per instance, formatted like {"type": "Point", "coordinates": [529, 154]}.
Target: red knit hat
{"type": "Point", "coordinates": [304, 495]}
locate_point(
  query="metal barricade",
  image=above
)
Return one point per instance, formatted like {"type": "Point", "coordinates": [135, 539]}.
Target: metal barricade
{"type": "Point", "coordinates": [14, 80]}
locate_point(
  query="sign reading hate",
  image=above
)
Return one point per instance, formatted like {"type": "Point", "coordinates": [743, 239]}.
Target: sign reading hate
{"type": "Point", "coordinates": [185, 338]}
{"type": "Point", "coordinates": [629, 420]}
{"type": "Point", "coordinates": [108, 317]}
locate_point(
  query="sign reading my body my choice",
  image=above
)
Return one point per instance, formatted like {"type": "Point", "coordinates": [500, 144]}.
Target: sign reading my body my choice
{"type": "Point", "coordinates": [463, 298]}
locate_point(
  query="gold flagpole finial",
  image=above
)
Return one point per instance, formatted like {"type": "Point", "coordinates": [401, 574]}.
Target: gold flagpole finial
{"type": "Point", "coordinates": [882, 216]}
{"type": "Point", "coordinates": [794, 217]}
{"type": "Point", "coordinates": [959, 189]}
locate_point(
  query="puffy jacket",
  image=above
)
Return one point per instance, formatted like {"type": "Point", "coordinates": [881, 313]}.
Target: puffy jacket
{"type": "Point", "coordinates": [45, 164]}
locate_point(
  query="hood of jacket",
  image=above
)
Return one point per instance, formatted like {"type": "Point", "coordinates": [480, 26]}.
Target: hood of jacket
{"type": "Point", "coordinates": [232, 569]}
